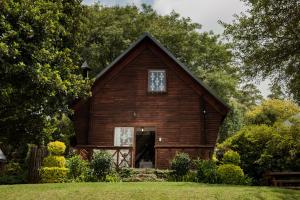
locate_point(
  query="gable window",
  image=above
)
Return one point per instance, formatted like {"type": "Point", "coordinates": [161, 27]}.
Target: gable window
{"type": "Point", "coordinates": [157, 81]}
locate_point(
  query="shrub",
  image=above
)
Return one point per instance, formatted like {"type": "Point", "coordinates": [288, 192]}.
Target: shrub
{"type": "Point", "coordinates": [230, 174]}
{"type": "Point", "coordinates": [54, 161]}
{"type": "Point", "coordinates": [89, 176]}
{"type": "Point", "coordinates": [53, 174]}
{"type": "Point", "coordinates": [191, 176]}
{"type": "Point", "coordinates": [112, 177]}
{"type": "Point", "coordinates": [53, 170]}
{"type": "Point", "coordinates": [162, 174]}
{"type": "Point", "coordinates": [250, 142]}
{"type": "Point", "coordinates": [125, 172]}
{"type": "Point", "coordinates": [180, 165]}
{"type": "Point", "coordinates": [271, 111]}
{"type": "Point", "coordinates": [56, 148]}
{"type": "Point", "coordinates": [263, 148]}
{"type": "Point", "coordinates": [101, 164]}
{"type": "Point", "coordinates": [206, 171]}
{"type": "Point", "coordinates": [13, 174]}
{"type": "Point", "coordinates": [78, 168]}
{"type": "Point", "coordinates": [13, 168]}
{"type": "Point", "coordinates": [231, 157]}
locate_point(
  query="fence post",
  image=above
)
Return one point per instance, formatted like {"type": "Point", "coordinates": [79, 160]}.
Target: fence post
{"type": "Point", "coordinates": [36, 155]}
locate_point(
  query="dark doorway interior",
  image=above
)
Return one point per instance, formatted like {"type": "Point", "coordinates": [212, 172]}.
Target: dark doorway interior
{"type": "Point", "coordinates": [145, 153]}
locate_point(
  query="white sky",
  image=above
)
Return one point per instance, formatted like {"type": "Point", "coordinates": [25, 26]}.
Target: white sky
{"type": "Point", "coordinates": [205, 12]}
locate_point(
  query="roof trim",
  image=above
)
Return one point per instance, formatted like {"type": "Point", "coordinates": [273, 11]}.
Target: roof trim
{"type": "Point", "coordinates": [165, 50]}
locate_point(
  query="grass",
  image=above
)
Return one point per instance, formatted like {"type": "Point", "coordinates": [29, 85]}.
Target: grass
{"type": "Point", "coordinates": [144, 190]}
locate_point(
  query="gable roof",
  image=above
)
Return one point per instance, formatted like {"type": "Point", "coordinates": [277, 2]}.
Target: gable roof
{"type": "Point", "coordinates": [148, 36]}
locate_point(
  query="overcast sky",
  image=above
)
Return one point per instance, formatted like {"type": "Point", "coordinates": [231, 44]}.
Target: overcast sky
{"type": "Point", "coordinates": [205, 12]}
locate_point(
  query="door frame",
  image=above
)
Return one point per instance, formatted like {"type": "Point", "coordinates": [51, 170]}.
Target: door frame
{"type": "Point", "coordinates": [136, 129]}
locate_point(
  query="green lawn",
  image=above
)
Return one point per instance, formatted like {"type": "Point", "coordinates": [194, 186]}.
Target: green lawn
{"type": "Point", "coordinates": [132, 191]}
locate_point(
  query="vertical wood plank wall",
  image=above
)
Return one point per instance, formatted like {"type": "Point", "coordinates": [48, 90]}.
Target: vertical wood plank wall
{"type": "Point", "coordinates": [176, 115]}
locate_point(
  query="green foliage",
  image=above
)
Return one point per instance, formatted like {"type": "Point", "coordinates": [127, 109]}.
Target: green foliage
{"type": "Point", "coordinates": [206, 171]}
{"type": "Point", "coordinates": [39, 67]}
{"type": "Point", "coordinates": [230, 174]}
{"type": "Point", "coordinates": [101, 164]}
{"type": "Point", "coordinates": [110, 30]}
{"type": "Point", "coordinates": [13, 174]}
{"type": "Point", "coordinates": [78, 168]}
{"type": "Point", "coordinates": [162, 174]}
{"type": "Point", "coordinates": [125, 172]}
{"type": "Point", "coordinates": [191, 176]}
{"type": "Point", "coordinates": [13, 168]}
{"type": "Point", "coordinates": [56, 147]}
{"type": "Point", "coordinates": [112, 177]}
{"type": "Point", "coordinates": [12, 179]}
{"type": "Point", "coordinates": [53, 169]}
{"type": "Point", "coordinates": [250, 142]}
{"type": "Point", "coordinates": [144, 175]}
{"type": "Point", "coordinates": [233, 121]}
{"type": "Point", "coordinates": [54, 161]}
{"type": "Point", "coordinates": [266, 40]}
{"type": "Point", "coordinates": [180, 165]}
{"type": "Point", "coordinates": [53, 174]}
{"type": "Point", "coordinates": [263, 148]}
{"type": "Point", "coordinates": [272, 110]}
{"type": "Point", "coordinates": [282, 152]}
{"type": "Point", "coordinates": [232, 157]}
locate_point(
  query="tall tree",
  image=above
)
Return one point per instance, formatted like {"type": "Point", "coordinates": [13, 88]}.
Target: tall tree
{"type": "Point", "coordinates": [267, 40]}
{"type": "Point", "coordinates": [39, 73]}
{"type": "Point", "coordinates": [110, 30]}
{"type": "Point", "coordinates": [276, 92]}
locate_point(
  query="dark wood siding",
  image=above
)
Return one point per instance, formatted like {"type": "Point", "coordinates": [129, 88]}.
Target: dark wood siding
{"type": "Point", "coordinates": [81, 121]}
{"type": "Point", "coordinates": [176, 115]}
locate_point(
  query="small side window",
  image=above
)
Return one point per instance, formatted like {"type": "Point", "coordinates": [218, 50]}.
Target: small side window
{"type": "Point", "coordinates": [157, 81]}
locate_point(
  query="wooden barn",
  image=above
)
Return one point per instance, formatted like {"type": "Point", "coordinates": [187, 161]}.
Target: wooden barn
{"type": "Point", "coordinates": [145, 107]}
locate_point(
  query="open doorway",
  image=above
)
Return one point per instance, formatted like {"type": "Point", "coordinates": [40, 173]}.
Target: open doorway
{"type": "Point", "coordinates": [144, 148]}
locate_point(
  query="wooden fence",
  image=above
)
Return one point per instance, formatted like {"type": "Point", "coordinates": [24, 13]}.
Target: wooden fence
{"type": "Point", "coordinates": [123, 156]}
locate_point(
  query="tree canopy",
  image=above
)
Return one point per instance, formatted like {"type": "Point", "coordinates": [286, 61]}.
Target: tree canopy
{"type": "Point", "coordinates": [267, 142]}
{"type": "Point", "coordinates": [270, 111]}
{"type": "Point", "coordinates": [110, 30]}
{"type": "Point", "coordinates": [266, 40]}
{"type": "Point", "coordinates": [43, 43]}
{"type": "Point", "coordinates": [39, 43]}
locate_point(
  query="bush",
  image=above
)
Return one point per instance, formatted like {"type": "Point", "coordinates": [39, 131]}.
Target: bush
{"type": "Point", "coordinates": [54, 161]}
{"type": "Point", "coordinates": [162, 174]}
{"type": "Point", "coordinates": [271, 110]}
{"type": "Point", "coordinates": [12, 179]}
{"type": "Point", "coordinates": [56, 148]}
{"type": "Point", "coordinates": [231, 157]}
{"type": "Point", "coordinates": [180, 165]}
{"type": "Point", "coordinates": [53, 170]}
{"type": "Point", "coordinates": [125, 172]}
{"type": "Point", "coordinates": [53, 174]}
{"type": "Point", "coordinates": [230, 174]}
{"type": "Point", "coordinates": [265, 148]}
{"type": "Point", "coordinates": [12, 169]}
{"type": "Point", "coordinates": [206, 171]}
{"type": "Point", "coordinates": [191, 176]}
{"type": "Point", "coordinates": [78, 168]}
{"type": "Point", "coordinates": [112, 177]}
{"type": "Point", "coordinates": [250, 142]}
{"type": "Point", "coordinates": [13, 174]}
{"type": "Point", "coordinates": [101, 164]}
